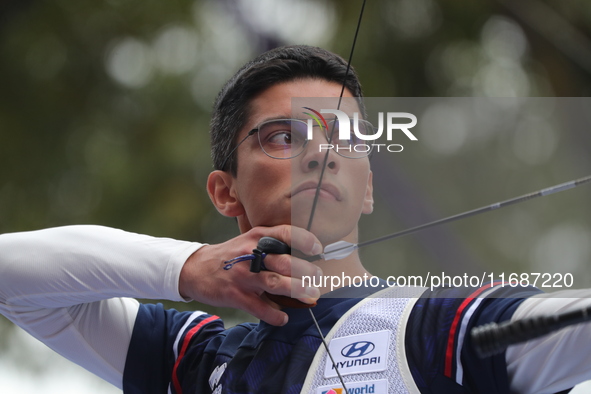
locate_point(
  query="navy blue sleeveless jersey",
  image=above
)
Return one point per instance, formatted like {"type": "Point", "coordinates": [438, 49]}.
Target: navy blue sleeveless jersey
{"type": "Point", "coordinates": [188, 352]}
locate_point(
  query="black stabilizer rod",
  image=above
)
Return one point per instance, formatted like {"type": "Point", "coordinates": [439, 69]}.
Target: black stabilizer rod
{"type": "Point", "coordinates": [492, 338]}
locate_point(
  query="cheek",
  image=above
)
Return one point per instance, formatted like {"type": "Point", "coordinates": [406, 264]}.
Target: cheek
{"type": "Point", "coordinates": [262, 191]}
{"type": "Point", "coordinates": [360, 178]}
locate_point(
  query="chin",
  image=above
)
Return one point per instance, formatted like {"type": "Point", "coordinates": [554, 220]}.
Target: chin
{"type": "Point", "coordinates": [328, 234]}
{"type": "Point", "coordinates": [329, 224]}
{"type": "Point", "coordinates": [300, 215]}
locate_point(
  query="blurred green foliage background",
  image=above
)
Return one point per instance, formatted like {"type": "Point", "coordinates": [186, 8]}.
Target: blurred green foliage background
{"type": "Point", "coordinates": [104, 111]}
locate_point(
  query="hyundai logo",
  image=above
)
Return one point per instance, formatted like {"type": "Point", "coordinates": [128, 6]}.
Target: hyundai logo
{"type": "Point", "coordinates": [358, 349]}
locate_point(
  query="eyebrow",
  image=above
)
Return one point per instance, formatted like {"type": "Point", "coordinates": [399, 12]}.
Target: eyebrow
{"type": "Point", "coordinates": [275, 117]}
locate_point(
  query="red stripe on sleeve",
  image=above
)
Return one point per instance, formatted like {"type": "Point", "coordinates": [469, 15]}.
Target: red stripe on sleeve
{"type": "Point", "coordinates": [449, 353]}
{"type": "Point", "coordinates": [186, 340]}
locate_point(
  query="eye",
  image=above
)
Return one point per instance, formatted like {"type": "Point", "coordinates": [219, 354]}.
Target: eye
{"type": "Point", "coordinates": [279, 138]}
{"type": "Point", "coordinates": [353, 140]}
{"type": "Point", "coordinates": [281, 134]}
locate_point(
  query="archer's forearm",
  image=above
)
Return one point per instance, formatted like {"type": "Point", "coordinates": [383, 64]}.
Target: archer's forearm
{"type": "Point", "coordinates": [79, 264]}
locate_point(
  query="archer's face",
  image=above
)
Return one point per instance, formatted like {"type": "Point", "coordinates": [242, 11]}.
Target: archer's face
{"type": "Point", "coordinates": [273, 191]}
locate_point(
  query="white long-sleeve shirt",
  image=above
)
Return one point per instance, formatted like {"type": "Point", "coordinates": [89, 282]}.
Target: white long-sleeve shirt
{"type": "Point", "coordinates": [68, 287]}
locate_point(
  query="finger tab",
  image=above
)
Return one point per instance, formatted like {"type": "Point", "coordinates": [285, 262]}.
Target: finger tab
{"type": "Point", "coordinates": [271, 245]}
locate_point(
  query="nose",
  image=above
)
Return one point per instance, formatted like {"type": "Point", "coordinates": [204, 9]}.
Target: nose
{"type": "Point", "coordinates": [317, 152]}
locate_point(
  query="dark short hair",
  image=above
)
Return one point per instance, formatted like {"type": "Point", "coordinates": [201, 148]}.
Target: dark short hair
{"type": "Point", "coordinates": [283, 64]}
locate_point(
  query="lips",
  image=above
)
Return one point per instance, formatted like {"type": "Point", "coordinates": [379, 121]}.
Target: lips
{"type": "Point", "coordinates": [325, 188]}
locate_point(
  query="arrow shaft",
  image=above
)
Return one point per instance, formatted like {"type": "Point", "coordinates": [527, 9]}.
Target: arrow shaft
{"type": "Point", "coordinates": [540, 193]}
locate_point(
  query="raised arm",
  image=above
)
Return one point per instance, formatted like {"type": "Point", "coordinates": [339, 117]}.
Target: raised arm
{"type": "Point", "coordinates": [68, 286]}
{"type": "Point", "coordinates": [64, 286]}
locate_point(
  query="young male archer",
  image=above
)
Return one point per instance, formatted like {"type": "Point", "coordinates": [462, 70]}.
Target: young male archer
{"type": "Point", "coordinates": [69, 286]}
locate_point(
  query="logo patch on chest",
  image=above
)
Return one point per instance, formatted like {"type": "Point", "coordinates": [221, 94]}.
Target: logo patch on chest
{"type": "Point", "coordinates": [367, 387]}
{"type": "Point", "coordinates": [358, 354]}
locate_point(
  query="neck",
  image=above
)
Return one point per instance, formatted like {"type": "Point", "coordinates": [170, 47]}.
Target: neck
{"type": "Point", "coordinates": [340, 273]}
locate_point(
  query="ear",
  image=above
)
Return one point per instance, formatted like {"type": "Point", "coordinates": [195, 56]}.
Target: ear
{"type": "Point", "coordinates": [220, 187]}
{"type": "Point", "coordinates": [368, 200]}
